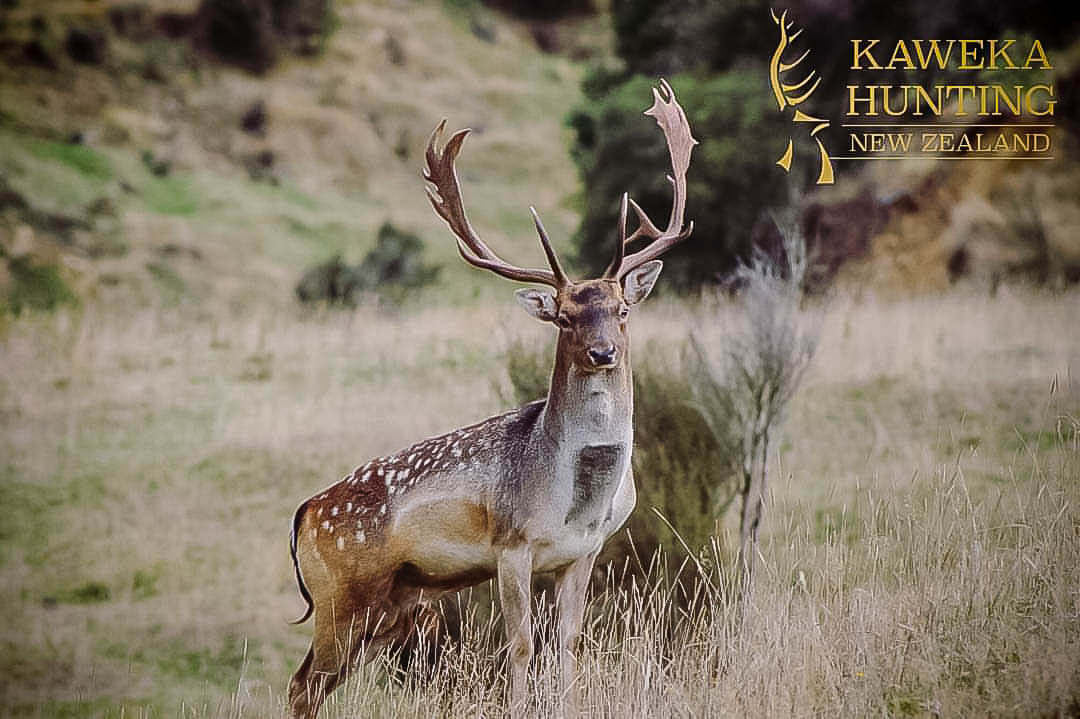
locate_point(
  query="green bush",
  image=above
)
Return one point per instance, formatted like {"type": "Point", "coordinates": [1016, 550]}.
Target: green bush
{"type": "Point", "coordinates": [391, 270]}
{"type": "Point", "coordinates": [252, 33]}
{"type": "Point", "coordinates": [36, 287]}
{"type": "Point", "coordinates": [681, 470]}
{"type": "Point", "coordinates": [91, 592]}
{"type": "Point", "coordinates": [240, 32]}
{"type": "Point", "coordinates": [731, 183]}
{"type": "Point", "coordinates": [395, 264]}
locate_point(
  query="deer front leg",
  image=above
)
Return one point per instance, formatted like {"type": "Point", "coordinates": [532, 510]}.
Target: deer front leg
{"type": "Point", "coordinates": [515, 585]}
{"type": "Point", "coordinates": [570, 587]}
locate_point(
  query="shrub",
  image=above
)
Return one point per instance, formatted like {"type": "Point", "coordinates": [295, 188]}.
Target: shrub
{"type": "Point", "coordinates": [253, 33]}
{"type": "Point", "coordinates": [395, 264]}
{"type": "Point", "coordinates": [88, 45]}
{"type": "Point", "coordinates": [302, 24]}
{"type": "Point", "coordinates": [240, 32]}
{"type": "Point", "coordinates": [680, 469]}
{"type": "Point", "coordinates": [332, 281]}
{"type": "Point", "coordinates": [730, 180]}
{"type": "Point", "coordinates": [743, 383]}
{"type": "Point", "coordinates": [391, 270]}
{"type": "Point", "coordinates": [35, 286]}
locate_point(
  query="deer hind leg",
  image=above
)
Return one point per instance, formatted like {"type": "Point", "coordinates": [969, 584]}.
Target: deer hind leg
{"type": "Point", "coordinates": [305, 691]}
{"type": "Point", "coordinates": [328, 662]}
{"type": "Point", "coordinates": [515, 585]}
{"type": "Point", "coordinates": [341, 643]}
{"type": "Point", "coordinates": [421, 629]}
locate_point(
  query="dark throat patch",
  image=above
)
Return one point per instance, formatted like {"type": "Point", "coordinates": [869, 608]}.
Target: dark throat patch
{"type": "Point", "coordinates": [595, 478]}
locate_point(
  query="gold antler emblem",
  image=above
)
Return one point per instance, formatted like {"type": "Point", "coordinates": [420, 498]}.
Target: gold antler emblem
{"type": "Point", "coordinates": [786, 97]}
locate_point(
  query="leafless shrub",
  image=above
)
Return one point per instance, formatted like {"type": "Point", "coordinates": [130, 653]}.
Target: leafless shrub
{"type": "Point", "coordinates": [743, 384]}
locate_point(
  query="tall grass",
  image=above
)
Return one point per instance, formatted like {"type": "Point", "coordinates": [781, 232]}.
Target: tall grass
{"type": "Point", "coordinates": [925, 603]}
{"type": "Point", "coordinates": [920, 556]}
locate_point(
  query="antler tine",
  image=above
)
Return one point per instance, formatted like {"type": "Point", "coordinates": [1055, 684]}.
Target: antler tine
{"type": "Point", "coordinates": [445, 198]}
{"type": "Point", "coordinates": [549, 251]}
{"type": "Point", "coordinates": [672, 121]}
{"type": "Point", "coordinates": [620, 245]}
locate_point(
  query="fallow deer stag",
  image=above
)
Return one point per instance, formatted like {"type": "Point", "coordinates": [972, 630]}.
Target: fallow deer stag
{"type": "Point", "coordinates": [537, 489]}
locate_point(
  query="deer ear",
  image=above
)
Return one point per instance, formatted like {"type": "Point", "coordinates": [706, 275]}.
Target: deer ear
{"type": "Point", "coordinates": [538, 303]}
{"type": "Point", "coordinates": [639, 282]}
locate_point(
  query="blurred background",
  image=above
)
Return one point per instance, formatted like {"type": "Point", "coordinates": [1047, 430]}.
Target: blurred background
{"type": "Point", "coordinates": [222, 287]}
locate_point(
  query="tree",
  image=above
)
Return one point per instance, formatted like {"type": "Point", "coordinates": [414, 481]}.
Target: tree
{"type": "Point", "coordinates": [731, 179]}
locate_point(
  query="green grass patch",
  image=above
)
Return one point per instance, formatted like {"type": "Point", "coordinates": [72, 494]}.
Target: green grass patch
{"type": "Point", "coordinates": [286, 194]}
{"type": "Point", "coordinates": [102, 708]}
{"type": "Point", "coordinates": [1037, 440]}
{"type": "Point", "coordinates": [837, 523]}
{"type": "Point", "coordinates": [174, 196]}
{"type": "Point", "coordinates": [145, 582]}
{"type": "Point", "coordinates": [84, 159]}
{"type": "Point", "coordinates": [219, 667]}
{"type": "Point", "coordinates": [166, 276]}
{"type": "Point", "coordinates": [36, 287]}
{"type": "Point", "coordinates": [25, 526]}
{"type": "Point", "coordinates": [904, 702]}
{"type": "Point", "coordinates": [91, 592]}
{"type": "Point", "coordinates": [325, 237]}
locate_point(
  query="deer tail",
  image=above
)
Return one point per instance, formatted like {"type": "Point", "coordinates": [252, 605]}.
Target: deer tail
{"type": "Point", "coordinates": [297, 518]}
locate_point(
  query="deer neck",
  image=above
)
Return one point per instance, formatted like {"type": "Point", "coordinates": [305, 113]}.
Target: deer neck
{"type": "Point", "coordinates": [589, 407]}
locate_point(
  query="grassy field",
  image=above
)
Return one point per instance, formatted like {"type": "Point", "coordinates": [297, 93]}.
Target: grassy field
{"type": "Point", "coordinates": [921, 548]}
{"type": "Point", "coordinates": [921, 554]}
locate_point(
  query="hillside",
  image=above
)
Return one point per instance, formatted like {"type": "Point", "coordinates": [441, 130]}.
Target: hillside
{"type": "Point", "coordinates": [151, 170]}
{"type": "Point", "coordinates": [919, 226]}
{"type": "Point", "coordinates": [133, 169]}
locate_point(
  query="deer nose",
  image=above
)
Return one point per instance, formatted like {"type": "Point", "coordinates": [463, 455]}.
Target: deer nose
{"type": "Point", "coordinates": [604, 357]}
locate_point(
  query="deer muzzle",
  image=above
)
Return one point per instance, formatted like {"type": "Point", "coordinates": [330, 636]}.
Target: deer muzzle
{"type": "Point", "coordinates": [603, 357]}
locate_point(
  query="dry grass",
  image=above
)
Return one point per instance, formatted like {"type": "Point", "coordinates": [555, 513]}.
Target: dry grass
{"type": "Point", "coordinates": [920, 553]}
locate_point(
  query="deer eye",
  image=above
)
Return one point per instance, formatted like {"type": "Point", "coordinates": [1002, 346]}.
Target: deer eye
{"type": "Point", "coordinates": [563, 321]}
{"type": "Point", "coordinates": [624, 312]}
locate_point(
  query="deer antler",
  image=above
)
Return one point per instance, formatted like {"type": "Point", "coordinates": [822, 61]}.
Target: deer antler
{"type": "Point", "coordinates": [672, 120]}
{"type": "Point", "coordinates": [445, 198]}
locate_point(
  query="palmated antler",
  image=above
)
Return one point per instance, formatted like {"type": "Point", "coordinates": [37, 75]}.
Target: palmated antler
{"type": "Point", "coordinates": [672, 120]}
{"type": "Point", "coordinates": [445, 197]}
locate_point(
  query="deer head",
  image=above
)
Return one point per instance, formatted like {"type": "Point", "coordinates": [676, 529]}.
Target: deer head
{"type": "Point", "coordinates": [591, 314]}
